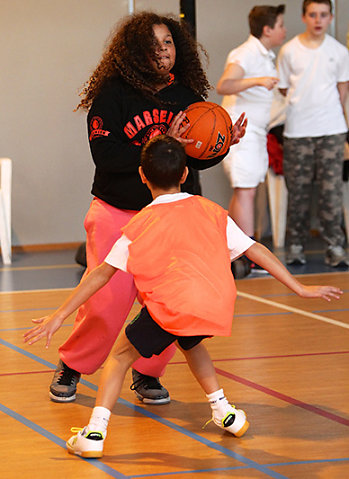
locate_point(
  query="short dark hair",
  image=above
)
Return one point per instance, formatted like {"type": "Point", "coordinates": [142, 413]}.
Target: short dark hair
{"type": "Point", "coordinates": [263, 15]}
{"type": "Point", "coordinates": [163, 161]}
{"type": "Point", "coordinates": [306, 3]}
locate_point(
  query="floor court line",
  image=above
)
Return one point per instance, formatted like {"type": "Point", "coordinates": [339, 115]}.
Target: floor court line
{"type": "Point", "coordinates": [180, 363]}
{"type": "Point", "coordinates": [227, 374]}
{"type": "Point", "coordinates": [149, 414]}
{"type": "Point", "coordinates": [29, 327]}
{"type": "Point", "coordinates": [38, 268]}
{"type": "Point", "coordinates": [58, 441]}
{"type": "Point", "coordinates": [276, 464]}
{"type": "Point", "coordinates": [26, 310]}
{"type": "Point", "coordinates": [21, 291]}
{"type": "Point", "coordinates": [301, 312]}
{"type": "Point", "coordinates": [277, 356]}
{"type": "Point", "coordinates": [284, 397]}
{"type": "Point", "coordinates": [113, 473]}
{"type": "Point", "coordinates": [281, 396]}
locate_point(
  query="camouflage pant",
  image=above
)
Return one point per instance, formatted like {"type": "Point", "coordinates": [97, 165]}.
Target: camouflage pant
{"type": "Point", "coordinates": [307, 160]}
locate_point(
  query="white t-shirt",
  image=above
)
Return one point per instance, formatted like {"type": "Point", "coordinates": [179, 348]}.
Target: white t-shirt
{"type": "Point", "coordinates": [256, 61]}
{"type": "Point", "coordinates": [237, 241]}
{"type": "Point", "coordinates": [311, 77]}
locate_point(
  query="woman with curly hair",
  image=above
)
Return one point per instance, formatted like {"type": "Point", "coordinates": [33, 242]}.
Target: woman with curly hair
{"type": "Point", "coordinates": [149, 73]}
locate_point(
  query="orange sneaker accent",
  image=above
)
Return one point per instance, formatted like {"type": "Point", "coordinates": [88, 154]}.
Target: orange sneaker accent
{"type": "Point", "coordinates": [242, 431]}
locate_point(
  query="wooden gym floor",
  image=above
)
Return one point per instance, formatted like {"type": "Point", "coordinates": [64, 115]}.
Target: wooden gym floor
{"type": "Point", "coordinates": [286, 364]}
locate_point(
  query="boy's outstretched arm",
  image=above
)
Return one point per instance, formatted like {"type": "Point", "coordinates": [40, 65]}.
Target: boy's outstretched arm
{"type": "Point", "coordinates": [267, 260]}
{"type": "Point", "coordinates": [89, 285]}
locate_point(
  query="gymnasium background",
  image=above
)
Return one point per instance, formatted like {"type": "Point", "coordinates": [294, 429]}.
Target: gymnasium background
{"type": "Point", "coordinates": [47, 50]}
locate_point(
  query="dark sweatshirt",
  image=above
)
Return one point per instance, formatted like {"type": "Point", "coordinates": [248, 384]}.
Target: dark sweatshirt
{"type": "Point", "coordinates": [121, 120]}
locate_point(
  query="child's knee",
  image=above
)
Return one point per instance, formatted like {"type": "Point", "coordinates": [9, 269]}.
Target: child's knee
{"type": "Point", "coordinates": [124, 350]}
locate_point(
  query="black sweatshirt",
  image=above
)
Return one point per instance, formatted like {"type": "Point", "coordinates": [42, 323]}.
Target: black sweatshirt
{"type": "Point", "coordinates": [120, 121]}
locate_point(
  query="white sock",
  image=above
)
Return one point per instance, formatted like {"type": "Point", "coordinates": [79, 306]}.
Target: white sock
{"type": "Point", "coordinates": [219, 404]}
{"type": "Point", "coordinates": [99, 419]}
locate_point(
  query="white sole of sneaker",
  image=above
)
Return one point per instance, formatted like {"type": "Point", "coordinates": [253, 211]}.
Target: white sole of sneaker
{"type": "Point", "coordinates": [335, 264]}
{"type": "Point", "coordinates": [61, 398]}
{"type": "Point", "coordinates": [154, 402]}
{"type": "Point", "coordinates": [85, 454]}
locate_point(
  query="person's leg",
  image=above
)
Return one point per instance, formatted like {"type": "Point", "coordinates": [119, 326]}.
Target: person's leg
{"type": "Point", "coordinates": [224, 415]}
{"type": "Point", "coordinates": [299, 174]}
{"type": "Point", "coordinates": [89, 441]}
{"type": "Point", "coordinates": [142, 337]}
{"type": "Point", "coordinates": [329, 157]}
{"type": "Point", "coordinates": [112, 378]}
{"type": "Point", "coordinates": [241, 209]}
{"type": "Point", "coordinates": [156, 365]}
{"type": "Point", "coordinates": [100, 319]}
{"type": "Point", "coordinates": [246, 168]}
{"type": "Point", "coordinates": [201, 366]}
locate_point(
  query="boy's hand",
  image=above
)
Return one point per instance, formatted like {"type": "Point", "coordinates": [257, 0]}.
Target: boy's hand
{"type": "Point", "coordinates": [268, 82]}
{"type": "Point", "coordinates": [239, 129]}
{"type": "Point", "coordinates": [48, 325]}
{"type": "Point", "coordinates": [324, 292]}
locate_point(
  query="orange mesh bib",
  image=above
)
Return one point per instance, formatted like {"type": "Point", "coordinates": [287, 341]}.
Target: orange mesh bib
{"type": "Point", "coordinates": [181, 266]}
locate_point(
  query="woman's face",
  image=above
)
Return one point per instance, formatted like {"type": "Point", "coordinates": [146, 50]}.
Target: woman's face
{"type": "Point", "coordinates": [164, 56]}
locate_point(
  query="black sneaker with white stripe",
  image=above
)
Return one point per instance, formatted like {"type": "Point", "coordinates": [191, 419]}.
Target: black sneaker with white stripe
{"type": "Point", "coordinates": [149, 389]}
{"type": "Point", "coordinates": [63, 386]}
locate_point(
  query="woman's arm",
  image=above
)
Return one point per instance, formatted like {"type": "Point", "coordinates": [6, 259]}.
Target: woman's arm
{"type": "Point", "coordinates": [111, 150]}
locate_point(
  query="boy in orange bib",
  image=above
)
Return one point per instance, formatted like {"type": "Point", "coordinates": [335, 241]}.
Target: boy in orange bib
{"type": "Point", "coordinates": [179, 249]}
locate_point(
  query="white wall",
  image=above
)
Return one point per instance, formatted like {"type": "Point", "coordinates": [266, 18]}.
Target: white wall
{"type": "Point", "coordinates": [47, 51]}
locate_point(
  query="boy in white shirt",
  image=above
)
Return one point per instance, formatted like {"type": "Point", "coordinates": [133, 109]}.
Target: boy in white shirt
{"type": "Point", "coordinates": [247, 83]}
{"type": "Point", "coordinates": [314, 73]}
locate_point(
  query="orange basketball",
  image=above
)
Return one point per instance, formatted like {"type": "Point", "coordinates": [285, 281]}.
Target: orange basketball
{"type": "Point", "coordinates": [210, 128]}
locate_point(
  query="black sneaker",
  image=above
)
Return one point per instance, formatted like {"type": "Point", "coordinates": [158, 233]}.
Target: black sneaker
{"type": "Point", "coordinates": [63, 386]}
{"type": "Point", "coordinates": [149, 389]}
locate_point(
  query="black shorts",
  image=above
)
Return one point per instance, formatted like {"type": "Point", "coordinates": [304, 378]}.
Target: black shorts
{"type": "Point", "coordinates": [149, 338]}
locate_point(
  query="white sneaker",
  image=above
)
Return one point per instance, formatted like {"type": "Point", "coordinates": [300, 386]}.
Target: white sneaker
{"type": "Point", "coordinates": [234, 421]}
{"type": "Point", "coordinates": [336, 255]}
{"type": "Point", "coordinates": [86, 443]}
{"type": "Point", "coordinates": [295, 255]}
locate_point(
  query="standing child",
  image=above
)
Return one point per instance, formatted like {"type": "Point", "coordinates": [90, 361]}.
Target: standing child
{"type": "Point", "coordinates": [178, 249]}
{"type": "Point", "coordinates": [247, 83]}
{"type": "Point", "coordinates": [148, 75]}
{"type": "Point", "coordinates": [314, 74]}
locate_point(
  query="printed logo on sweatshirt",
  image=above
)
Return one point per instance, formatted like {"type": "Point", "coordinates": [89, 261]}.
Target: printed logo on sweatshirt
{"type": "Point", "coordinates": [155, 117]}
{"type": "Point", "coordinates": [153, 131]}
{"type": "Point", "coordinates": [96, 130]}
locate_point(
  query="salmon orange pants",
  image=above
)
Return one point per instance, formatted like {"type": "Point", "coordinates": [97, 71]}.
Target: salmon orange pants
{"type": "Point", "coordinates": [99, 321]}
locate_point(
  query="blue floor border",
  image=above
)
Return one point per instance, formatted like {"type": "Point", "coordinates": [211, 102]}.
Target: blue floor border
{"type": "Point", "coordinates": [248, 463]}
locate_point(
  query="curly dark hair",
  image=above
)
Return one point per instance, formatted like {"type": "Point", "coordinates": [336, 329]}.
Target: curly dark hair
{"type": "Point", "coordinates": [127, 56]}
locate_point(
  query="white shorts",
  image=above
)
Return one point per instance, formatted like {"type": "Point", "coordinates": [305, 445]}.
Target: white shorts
{"type": "Point", "coordinates": [246, 164]}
